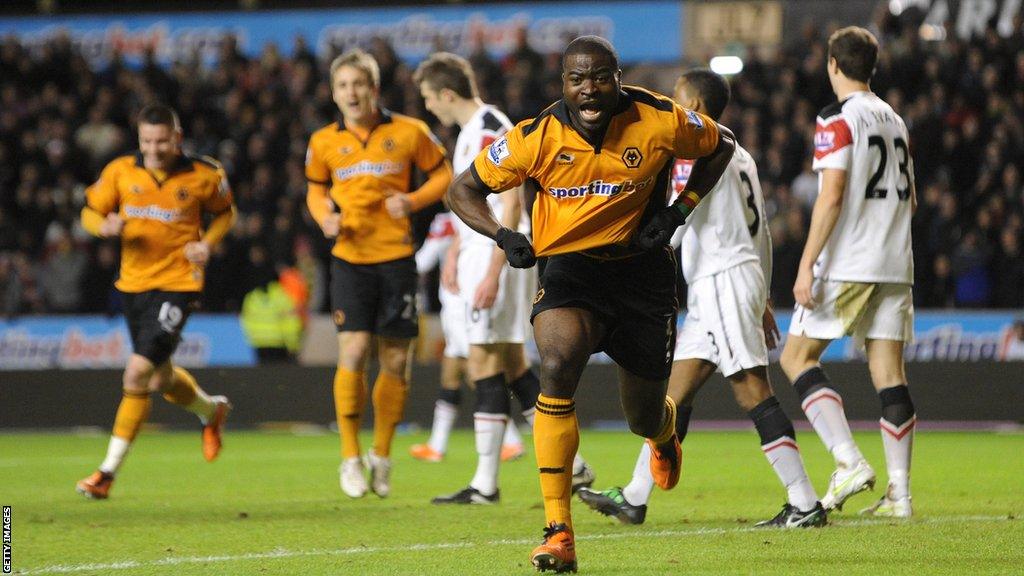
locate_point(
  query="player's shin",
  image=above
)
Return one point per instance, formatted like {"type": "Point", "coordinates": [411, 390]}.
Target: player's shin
{"type": "Point", "coordinates": [556, 437]}
{"type": "Point", "coordinates": [349, 400]}
{"type": "Point", "coordinates": [389, 394]}
{"type": "Point", "coordinates": [184, 391]}
{"type": "Point", "coordinates": [778, 442]}
{"type": "Point", "coordinates": [131, 415]}
{"type": "Point", "coordinates": [446, 410]}
{"type": "Point", "coordinates": [489, 421]}
{"type": "Point", "coordinates": [897, 426]}
{"type": "Point", "coordinates": [824, 409]}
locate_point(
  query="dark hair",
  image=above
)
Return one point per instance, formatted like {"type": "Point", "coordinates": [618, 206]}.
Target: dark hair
{"type": "Point", "coordinates": [856, 52]}
{"type": "Point", "coordinates": [710, 87]}
{"type": "Point", "coordinates": [592, 45]}
{"type": "Point", "coordinates": [159, 114]}
{"type": "Point", "coordinates": [446, 70]}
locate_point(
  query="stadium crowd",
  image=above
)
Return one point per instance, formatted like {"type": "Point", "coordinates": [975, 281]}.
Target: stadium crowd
{"type": "Point", "coordinates": [61, 121]}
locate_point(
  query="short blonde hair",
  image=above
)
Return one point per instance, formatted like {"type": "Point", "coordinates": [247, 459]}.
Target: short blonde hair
{"type": "Point", "coordinates": [360, 60]}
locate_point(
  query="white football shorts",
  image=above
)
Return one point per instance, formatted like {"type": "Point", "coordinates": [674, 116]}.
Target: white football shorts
{"type": "Point", "coordinates": [723, 323]}
{"type": "Point", "coordinates": [453, 324]}
{"type": "Point", "coordinates": [507, 319]}
{"type": "Point", "coordinates": [863, 310]}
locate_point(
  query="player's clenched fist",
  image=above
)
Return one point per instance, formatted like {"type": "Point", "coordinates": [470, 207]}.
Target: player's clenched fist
{"type": "Point", "coordinates": [331, 225]}
{"type": "Point", "coordinates": [659, 230]}
{"type": "Point", "coordinates": [517, 248]}
{"type": "Point", "coordinates": [111, 226]}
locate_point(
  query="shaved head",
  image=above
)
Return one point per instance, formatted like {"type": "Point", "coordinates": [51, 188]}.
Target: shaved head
{"type": "Point", "coordinates": [591, 45]}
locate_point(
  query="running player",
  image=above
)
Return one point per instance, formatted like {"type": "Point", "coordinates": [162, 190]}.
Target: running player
{"type": "Point", "coordinates": [729, 326]}
{"type": "Point", "coordinates": [155, 201]}
{"type": "Point", "coordinates": [362, 164]}
{"type": "Point", "coordinates": [857, 272]}
{"type": "Point", "coordinates": [495, 295]}
{"type": "Point", "coordinates": [600, 158]}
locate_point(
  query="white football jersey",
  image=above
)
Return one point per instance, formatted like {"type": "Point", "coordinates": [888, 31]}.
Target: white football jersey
{"type": "Point", "coordinates": [728, 227]}
{"type": "Point", "coordinates": [487, 125]}
{"type": "Point", "coordinates": [871, 240]}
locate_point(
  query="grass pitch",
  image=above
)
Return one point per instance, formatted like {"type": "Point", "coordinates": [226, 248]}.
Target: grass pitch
{"type": "Point", "coordinates": [272, 505]}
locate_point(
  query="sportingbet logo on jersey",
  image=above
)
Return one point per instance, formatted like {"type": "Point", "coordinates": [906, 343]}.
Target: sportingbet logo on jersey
{"type": "Point", "coordinates": [498, 151]}
{"type": "Point", "coordinates": [600, 188]}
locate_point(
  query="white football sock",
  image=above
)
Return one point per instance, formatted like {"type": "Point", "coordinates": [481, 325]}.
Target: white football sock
{"type": "Point", "coordinates": [489, 430]}
{"type": "Point", "coordinates": [824, 409]}
{"type": "Point", "coordinates": [899, 444]}
{"type": "Point", "coordinates": [512, 437]}
{"type": "Point", "coordinates": [639, 489]}
{"type": "Point", "coordinates": [784, 456]}
{"type": "Point", "coordinates": [444, 418]}
{"type": "Point", "coordinates": [117, 449]}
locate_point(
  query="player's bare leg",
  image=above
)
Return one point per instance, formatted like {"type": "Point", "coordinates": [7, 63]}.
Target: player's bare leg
{"type": "Point", "coordinates": [824, 409]}
{"type": "Point", "coordinates": [350, 394]}
{"type": "Point", "coordinates": [565, 338]}
{"type": "Point", "coordinates": [885, 361]}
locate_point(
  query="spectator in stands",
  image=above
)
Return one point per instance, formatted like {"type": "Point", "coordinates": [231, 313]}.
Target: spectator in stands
{"type": "Point", "coordinates": [60, 275]}
{"type": "Point", "coordinates": [963, 103]}
{"type": "Point", "coordinates": [970, 270]}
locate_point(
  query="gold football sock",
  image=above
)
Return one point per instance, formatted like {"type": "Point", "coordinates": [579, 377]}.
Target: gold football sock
{"type": "Point", "coordinates": [556, 437]}
{"type": "Point", "coordinates": [349, 398]}
{"type": "Point", "coordinates": [668, 426]}
{"type": "Point", "coordinates": [131, 414]}
{"type": "Point", "coordinates": [185, 392]}
{"type": "Point", "coordinates": [389, 393]}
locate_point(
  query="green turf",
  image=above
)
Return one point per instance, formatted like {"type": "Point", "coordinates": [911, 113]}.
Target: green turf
{"type": "Point", "coordinates": [272, 505]}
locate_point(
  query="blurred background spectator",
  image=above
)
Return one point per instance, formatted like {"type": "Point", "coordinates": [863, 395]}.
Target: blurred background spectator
{"type": "Point", "coordinates": [60, 121]}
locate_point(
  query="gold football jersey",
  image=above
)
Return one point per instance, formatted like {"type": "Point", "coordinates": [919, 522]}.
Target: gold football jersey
{"type": "Point", "coordinates": [361, 174]}
{"type": "Point", "coordinates": [593, 194]}
{"type": "Point", "coordinates": [160, 218]}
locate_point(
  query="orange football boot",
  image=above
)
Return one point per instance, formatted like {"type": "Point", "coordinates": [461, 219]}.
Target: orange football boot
{"type": "Point", "coordinates": [558, 552]}
{"type": "Point", "coordinates": [425, 453]}
{"type": "Point", "coordinates": [96, 486]}
{"type": "Point", "coordinates": [666, 463]}
{"type": "Point", "coordinates": [511, 452]}
{"type": "Point", "coordinates": [214, 428]}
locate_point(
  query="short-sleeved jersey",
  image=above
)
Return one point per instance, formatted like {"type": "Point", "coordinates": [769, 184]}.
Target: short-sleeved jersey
{"type": "Point", "coordinates": [485, 127]}
{"type": "Point", "coordinates": [871, 240]}
{"type": "Point", "coordinates": [160, 218]}
{"type": "Point", "coordinates": [596, 194]}
{"type": "Point", "coordinates": [360, 175]}
{"type": "Point", "coordinates": [728, 227]}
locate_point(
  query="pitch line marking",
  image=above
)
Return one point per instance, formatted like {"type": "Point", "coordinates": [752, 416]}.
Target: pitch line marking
{"type": "Point", "coordinates": [284, 553]}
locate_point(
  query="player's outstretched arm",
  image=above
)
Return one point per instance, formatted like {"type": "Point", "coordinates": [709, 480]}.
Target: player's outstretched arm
{"type": "Point", "coordinates": [468, 200]}
{"type": "Point", "coordinates": [823, 221]}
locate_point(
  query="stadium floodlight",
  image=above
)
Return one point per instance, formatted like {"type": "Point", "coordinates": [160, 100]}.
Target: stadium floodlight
{"type": "Point", "coordinates": [726, 65]}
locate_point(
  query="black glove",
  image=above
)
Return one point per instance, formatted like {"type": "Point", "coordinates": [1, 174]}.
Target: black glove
{"type": "Point", "coordinates": [659, 230]}
{"type": "Point", "coordinates": [517, 248]}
